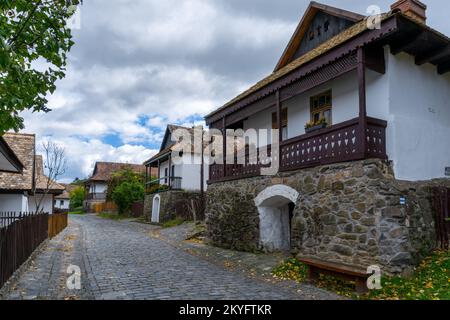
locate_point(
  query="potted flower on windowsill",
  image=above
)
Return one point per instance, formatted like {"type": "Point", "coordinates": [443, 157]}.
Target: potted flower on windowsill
{"type": "Point", "coordinates": [312, 125]}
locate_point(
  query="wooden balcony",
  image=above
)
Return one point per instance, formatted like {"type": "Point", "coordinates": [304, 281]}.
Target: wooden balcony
{"type": "Point", "coordinates": [96, 196]}
{"type": "Point", "coordinates": [339, 143]}
{"type": "Point", "coordinates": [163, 184]}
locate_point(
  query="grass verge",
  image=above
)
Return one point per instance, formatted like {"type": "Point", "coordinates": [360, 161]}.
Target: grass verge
{"type": "Point", "coordinates": [112, 216]}
{"type": "Point", "coordinates": [77, 212]}
{"type": "Point", "coordinates": [172, 223]}
{"type": "Point", "coordinates": [430, 281]}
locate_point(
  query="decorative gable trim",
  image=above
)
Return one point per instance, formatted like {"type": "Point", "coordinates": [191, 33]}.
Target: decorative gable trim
{"type": "Point", "coordinates": [303, 26]}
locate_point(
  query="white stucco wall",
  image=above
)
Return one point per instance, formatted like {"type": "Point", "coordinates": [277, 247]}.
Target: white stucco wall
{"type": "Point", "coordinates": [46, 204]}
{"type": "Point", "coordinates": [189, 172]}
{"type": "Point", "coordinates": [98, 187]}
{"type": "Point", "coordinates": [345, 106]}
{"type": "Point", "coordinates": [63, 204]}
{"type": "Point", "coordinates": [419, 119]}
{"type": "Point", "coordinates": [13, 203]}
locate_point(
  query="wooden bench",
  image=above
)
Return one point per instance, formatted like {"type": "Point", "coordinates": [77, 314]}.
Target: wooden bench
{"type": "Point", "coordinates": [317, 267]}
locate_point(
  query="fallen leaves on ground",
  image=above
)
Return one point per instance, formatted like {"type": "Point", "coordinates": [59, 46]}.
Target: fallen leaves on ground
{"type": "Point", "coordinates": [430, 281]}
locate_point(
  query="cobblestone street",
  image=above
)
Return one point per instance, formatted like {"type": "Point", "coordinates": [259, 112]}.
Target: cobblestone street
{"type": "Point", "coordinates": [129, 260]}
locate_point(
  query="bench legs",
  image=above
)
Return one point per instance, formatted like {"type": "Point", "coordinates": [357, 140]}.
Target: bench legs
{"type": "Point", "coordinates": [313, 275]}
{"type": "Point", "coordinates": [361, 285]}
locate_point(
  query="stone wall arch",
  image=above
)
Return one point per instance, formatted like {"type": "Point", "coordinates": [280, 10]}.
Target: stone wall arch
{"type": "Point", "coordinates": [275, 208]}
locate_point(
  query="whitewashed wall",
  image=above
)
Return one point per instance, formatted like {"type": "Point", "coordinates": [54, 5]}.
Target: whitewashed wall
{"type": "Point", "coordinates": [419, 119]}
{"type": "Point", "coordinates": [63, 204]}
{"type": "Point", "coordinates": [46, 205]}
{"type": "Point", "coordinates": [13, 203]}
{"type": "Point", "coordinates": [190, 174]}
{"type": "Point", "coordinates": [98, 187]}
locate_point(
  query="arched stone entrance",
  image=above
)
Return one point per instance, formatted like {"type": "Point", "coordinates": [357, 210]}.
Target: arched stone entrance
{"type": "Point", "coordinates": [275, 207]}
{"type": "Point", "coordinates": [156, 208]}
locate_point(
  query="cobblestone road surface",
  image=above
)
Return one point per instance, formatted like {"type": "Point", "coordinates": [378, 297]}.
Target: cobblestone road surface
{"type": "Point", "coordinates": [125, 260]}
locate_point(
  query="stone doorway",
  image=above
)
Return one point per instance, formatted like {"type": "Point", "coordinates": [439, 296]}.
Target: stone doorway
{"type": "Point", "coordinates": [156, 208]}
{"type": "Point", "coordinates": [275, 207]}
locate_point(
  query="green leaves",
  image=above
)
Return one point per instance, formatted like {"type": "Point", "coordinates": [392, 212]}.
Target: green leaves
{"type": "Point", "coordinates": [31, 31]}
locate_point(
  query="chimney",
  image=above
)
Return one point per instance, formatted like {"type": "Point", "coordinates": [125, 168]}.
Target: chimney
{"type": "Point", "coordinates": [412, 8]}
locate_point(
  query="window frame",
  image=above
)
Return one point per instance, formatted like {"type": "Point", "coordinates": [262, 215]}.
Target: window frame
{"type": "Point", "coordinates": [321, 109]}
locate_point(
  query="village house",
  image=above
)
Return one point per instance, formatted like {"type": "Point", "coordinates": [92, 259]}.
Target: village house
{"type": "Point", "coordinates": [62, 201]}
{"type": "Point", "coordinates": [97, 185]}
{"type": "Point", "coordinates": [362, 104]}
{"type": "Point", "coordinates": [177, 186]}
{"type": "Point", "coordinates": [24, 189]}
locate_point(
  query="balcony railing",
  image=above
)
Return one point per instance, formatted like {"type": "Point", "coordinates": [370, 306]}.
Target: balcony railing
{"type": "Point", "coordinates": [339, 143]}
{"type": "Point", "coordinates": [163, 184]}
{"type": "Point", "coordinates": [96, 196]}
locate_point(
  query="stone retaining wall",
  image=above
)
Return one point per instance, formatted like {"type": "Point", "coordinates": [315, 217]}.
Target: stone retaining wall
{"type": "Point", "coordinates": [349, 213]}
{"type": "Point", "coordinates": [174, 204]}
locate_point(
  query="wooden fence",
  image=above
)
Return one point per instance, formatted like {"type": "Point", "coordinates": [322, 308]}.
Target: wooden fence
{"type": "Point", "coordinates": [20, 235]}
{"type": "Point", "coordinates": [56, 223]}
{"type": "Point", "coordinates": [110, 207]}
{"type": "Point", "coordinates": [441, 207]}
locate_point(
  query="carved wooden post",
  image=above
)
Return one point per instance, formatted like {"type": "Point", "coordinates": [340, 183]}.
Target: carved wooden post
{"type": "Point", "coordinates": [170, 170]}
{"type": "Point", "coordinates": [280, 125]}
{"type": "Point", "coordinates": [224, 132]}
{"type": "Point", "coordinates": [362, 103]}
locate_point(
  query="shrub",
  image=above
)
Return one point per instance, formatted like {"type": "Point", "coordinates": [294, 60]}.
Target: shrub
{"type": "Point", "coordinates": [126, 193]}
{"type": "Point", "coordinates": [121, 176]}
{"type": "Point", "coordinates": [77, 197]}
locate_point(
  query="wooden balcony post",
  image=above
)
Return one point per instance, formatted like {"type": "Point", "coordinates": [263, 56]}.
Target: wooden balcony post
{"type": "Point", "coordinates": [224, 132]}
{"type": "Point", "coordinates": [362, 102]}
{"type": "Point", "coordinates": [280, 125]}
{"type": "Point", "coordinates": [170, 170]}
{"type": "Point", "coordinates": [159, 170]}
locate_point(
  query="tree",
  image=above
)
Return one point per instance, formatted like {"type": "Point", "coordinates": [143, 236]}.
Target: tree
{"type": "Point", "coordinates": [34, 41]}
{"type": "Point", "coordinates": [77, 197]}
{"type": "Point", "coordinates": [124, 175]}
{"type": "Point", "coordinates": [125, 194]}
{"type": "Point", "coordinates": [56, 165]}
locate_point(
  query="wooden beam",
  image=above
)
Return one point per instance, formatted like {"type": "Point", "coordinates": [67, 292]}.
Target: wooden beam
{"type": "Point", "coordinates": [434, 55]}
{"type": "Point", "coordinates": [279, 117]}
{"type": "Point", "coordinates": [444, 67]}
{"type": "Point", "coordinates": [362, 100]}
{"type": "Point", "coordinates": [170, 170]}
{"type": "Point", "coordinates": [407, 42]}
{"type": "Point", "coordinates": [224, 150]}
{"type": "Point", "coordinates": [375, 59]}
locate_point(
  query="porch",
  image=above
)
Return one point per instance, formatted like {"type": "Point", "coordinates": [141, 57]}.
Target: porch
{"type": "Point", "coordinates": [163, 184]}
{"type": "Point", "coordinates": [342, 142]}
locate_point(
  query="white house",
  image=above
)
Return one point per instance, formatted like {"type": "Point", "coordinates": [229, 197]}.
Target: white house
{"type": "Point", "coordinates": [179, 186]}
{"type": "Point", "coordinates": [23, 191]}
{"type": "Point", "coordinates": [97, 185]}
{"type": "Point", "coordinates": [363, 108]}
{"type": "Point", "coordinates": [186, 175]}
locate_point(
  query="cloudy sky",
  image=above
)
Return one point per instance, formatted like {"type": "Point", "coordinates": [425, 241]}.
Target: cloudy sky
{"type": "Point", "coordinates": [140, 64]}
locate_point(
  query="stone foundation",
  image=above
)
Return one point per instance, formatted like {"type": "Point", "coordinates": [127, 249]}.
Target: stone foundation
{"type": "Point", "coordinates": [349, 213]}
{"type": "Point", "coordinates": [174, 204]}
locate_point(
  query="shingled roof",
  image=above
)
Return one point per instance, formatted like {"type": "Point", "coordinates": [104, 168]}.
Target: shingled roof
{"type": "Point", "coordinates": [103, 171]}
{"type": "Point", "coordinates": [23, 146]}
